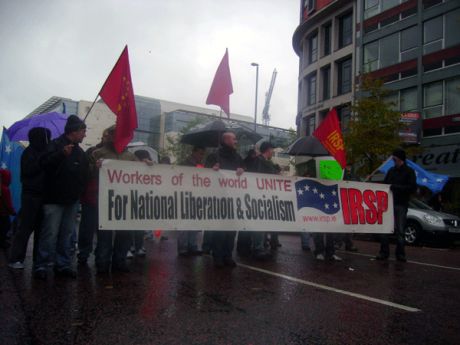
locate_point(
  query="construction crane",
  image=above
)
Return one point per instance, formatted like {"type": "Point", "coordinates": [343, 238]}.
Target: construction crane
{"type": "Point", "coordinates": [268, 96]}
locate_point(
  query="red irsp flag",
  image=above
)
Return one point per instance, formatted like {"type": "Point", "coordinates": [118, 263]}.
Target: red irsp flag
{"type": "Point", "coordinates": [330, 135]}
{"type": "Point", "coordinates": [221, 87]}
{"type": "Point", "coordinates": [118, 94]}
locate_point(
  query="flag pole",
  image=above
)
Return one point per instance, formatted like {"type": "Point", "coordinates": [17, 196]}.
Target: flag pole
{"type": "Point", "coordinates": [92, 105]}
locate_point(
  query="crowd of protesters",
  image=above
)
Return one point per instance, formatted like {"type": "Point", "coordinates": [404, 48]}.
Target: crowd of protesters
{"type": "Point", "coordinates": [58, 178]}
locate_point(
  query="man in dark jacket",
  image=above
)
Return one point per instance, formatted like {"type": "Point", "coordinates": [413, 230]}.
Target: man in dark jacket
{"type": "Point", "coordinates": [66, 173]}
{"type": "Point", "coordinates": [403, 183]}
{"type": "Point", "coordinates": [227, 158]}
{"type": "Point", "coordinates": [32, 179]}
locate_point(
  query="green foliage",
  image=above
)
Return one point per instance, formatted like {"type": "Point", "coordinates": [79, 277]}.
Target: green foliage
{"type": "Point", "coordinates": [372, 132]}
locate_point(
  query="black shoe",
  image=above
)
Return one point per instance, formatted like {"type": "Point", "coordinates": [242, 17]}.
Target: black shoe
{"type": "Point", "coordinates": [381, 257]}
{"type": "Point", "coordinates": [351, 249]}
{"type": "Point", "coordinates": [306, 248]}
{"type": "Point", "coordinates": [65, 272]}
{"type": "Point", "coordinates": [219, 263]}
{"type": "Point", "coordinates": [40, 274]}
{"type": "Point", "coordinates": [261, 255]}
{"type": "Point", "coordinates": [195, 252]}
{"type": "Point", "coordinates": [229, 262]}
{"type": "Point", "coordinates": [401, 258]}
{"type": "Point", "coordinates": [120, 268]}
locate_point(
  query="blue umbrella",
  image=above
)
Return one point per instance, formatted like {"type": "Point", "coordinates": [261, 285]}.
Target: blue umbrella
{"type": "Point", "coordinates": [55, 122]}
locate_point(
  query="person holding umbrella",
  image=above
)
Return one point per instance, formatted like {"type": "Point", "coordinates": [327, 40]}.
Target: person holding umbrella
{"type": "Point", "coordinates": [228, 158]}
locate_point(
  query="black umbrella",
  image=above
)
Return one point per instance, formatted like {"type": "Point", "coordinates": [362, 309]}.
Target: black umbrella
{"type": "Point", "coordinates": [307, 146]}
{"type": "Point", "coordinates": [208, 134]}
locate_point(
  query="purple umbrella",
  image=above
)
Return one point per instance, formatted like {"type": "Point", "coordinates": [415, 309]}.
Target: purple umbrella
{"type": "Point", "coordinates": [55, 122]}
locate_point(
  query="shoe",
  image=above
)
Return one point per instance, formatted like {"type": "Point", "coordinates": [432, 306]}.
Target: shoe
{"type": "Point", "coordinates": [141, 252]}
{"type": "Point", "coordinates": [351, 249]}
{"type": "Point", "coordinates": [320, 257]}
{"type": "Point", "coordinates": [381, 257]}
{"type": "Point", "coordinates": [335, 258]}
{"type": "Point", "coordinates": [195, 252]}
{"type": "Point", "coordinates": [261, 255]}
{"type": "Point", "coordinates": [401, 258]}
{"type": "Point", "coordinates": [219, 263]}
{"type": "Point", "coordinates": [306, 248]}
{"type": "Point", "coordinates": [65, 272]}
{"type": "Point", "coordinates": [229, 262]}
{"type": "Point", "coordinates": [129, 254]}
{"type": "Point", "coordinates": [120, 268]}
{"type": "Point", "coordinates": [40, 274]}
{"type": "Point", "coordinates": [18, 265]}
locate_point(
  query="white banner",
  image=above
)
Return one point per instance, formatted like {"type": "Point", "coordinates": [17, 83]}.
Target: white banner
{"type": "Point", "coordinates": [134, 196]}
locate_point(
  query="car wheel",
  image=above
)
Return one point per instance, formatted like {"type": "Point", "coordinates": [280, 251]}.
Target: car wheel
{"type": "Point", "coordinates": [412, 232]}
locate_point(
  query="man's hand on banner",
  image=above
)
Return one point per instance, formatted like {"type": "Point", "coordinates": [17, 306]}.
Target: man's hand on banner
{"type": "Point", "coordinates": [99, 163]}
{"type": "Point", "coordinates": [216, 167]}
{"type": "Point", "coordinates": [239, 171]}
{"type": "Point", "coordinates": [148, 162]}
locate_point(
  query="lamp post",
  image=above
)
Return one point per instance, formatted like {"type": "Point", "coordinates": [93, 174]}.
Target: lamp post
{"type": "Point", "coordinates": [257, 86]}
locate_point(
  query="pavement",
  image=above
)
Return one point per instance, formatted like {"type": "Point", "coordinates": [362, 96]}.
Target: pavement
{"type": "Point", "coordinates": [292, 299]}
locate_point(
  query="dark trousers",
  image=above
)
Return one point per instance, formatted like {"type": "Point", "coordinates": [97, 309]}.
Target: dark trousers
{"type": "Point", "coordinates": [88, 226]}
{"type": "Point", "coordinates": [400, 213]}
{"type": "Point", "coordinates": [5, 225]}
{"type": "Point", "coordinates": [223, 243]}
{"type": "Point", "coordinates": [207, 241]}
{"type": "Point", "coordinates": [29, 220]}
{"type": "Point", "coordinates": [138, 239]}
{"type": "Point", "coordinates": [324, 248]}
{"type": "Point", "coordinates": [112, 250]}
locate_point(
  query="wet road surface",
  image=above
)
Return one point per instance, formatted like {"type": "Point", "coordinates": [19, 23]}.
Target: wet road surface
{"type": "Point", "coordinates": [292, 299]}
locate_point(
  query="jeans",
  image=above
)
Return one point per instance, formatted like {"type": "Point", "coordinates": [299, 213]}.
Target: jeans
{"type": "Point", "coordinates": [54, 241]}
{"type": "Point", "coordinates": [327, 250]}
{"type": "Point", "coordinates": [138, 239]}
{"type": "Point", "coordinates": [29, 220]}
{"type": "Point", "coordinates": [187, 241]}
{"type": "Point", "coordinates": [110, 250]}
{"type": "Point", "coordinates": [258, 240]}
{"type": "Point", "coordinates": [400, 213]}
{"type": "Point", "coordinates": [88, 226]}
{"type": "Point", "coordinates": [222, 244]}
{"type": "Point", "coordinates": [305, 239]}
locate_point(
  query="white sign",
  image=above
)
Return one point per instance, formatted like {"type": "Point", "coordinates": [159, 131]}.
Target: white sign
{"type": "Point", "coordinates": [134, 196]}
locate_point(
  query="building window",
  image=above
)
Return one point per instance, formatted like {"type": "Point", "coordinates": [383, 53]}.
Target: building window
{"type": "Point", "coordinates": [371, 56]}
{"type": "Point", "coordinates": [453, 96]}
{"type": "Point", "coordinates": [408, 44]}
{"type": "Point", "coordinates": [374, 7]}
{"type": "Point", "coordinates": [432, 100]}
{"type": "Point", "coordinates": [327, 34]}
{"type": "Point", "coordinates": [430, 3]}
{"type": "Point", "coordinates": [432, 35]}
{"type": "Point", "coordinates": [452, 28]}
{"type": "Point", "coordinates": [310, 123]}
{"type": "Point", "coordinates": [309, 5]}
{"type": "Point", "coordinates": [345, 30]}
{"type": "Point", "coordinates": [344, 115]}
{"type": "Point", "coordinates": [313, 48]}
{"type": "Point", "coordinates": [344, 76]}
{"type": "Point", "coordinates": [389, 50]}
{"type": "Point", "coordinates": [326, 82]}
{"type": "Point", "coordinates": [408, 100]}
{"type": "Point", "coordinates": [311, 89]}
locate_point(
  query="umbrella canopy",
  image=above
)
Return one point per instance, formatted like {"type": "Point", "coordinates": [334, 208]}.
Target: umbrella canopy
{"type": "Point", "coordinates": [55, 122]}
{"type": "Point", "coordinates": [208, 134]}
{"type": "Point", "coordinates": [307, 146]}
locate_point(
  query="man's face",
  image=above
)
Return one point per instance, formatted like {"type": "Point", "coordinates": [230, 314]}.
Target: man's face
{"type": "Point", "coordinates": [107, 137]}
{"type": "Point", "coordinates": [78, 136]}
{"type": "Point", "coordinates": [229, 139]}
{"type": "Point", "coordinates": [398, 161]}
{"type": "Point", "coordinates": [269, 153]}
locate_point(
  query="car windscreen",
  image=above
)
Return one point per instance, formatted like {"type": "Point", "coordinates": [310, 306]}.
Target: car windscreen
{"type": "Point", "coordinates": [415, 203]}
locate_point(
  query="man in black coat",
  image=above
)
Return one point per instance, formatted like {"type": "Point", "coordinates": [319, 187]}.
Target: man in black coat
{"type": "Point", "coordinates": [402, 181]}
{"type": "Point", "coordinates": [227, 158]}
{"type": "Point", "coordinates": [32, 180]}
{"type": "Point", "coordinates": [66, 169]}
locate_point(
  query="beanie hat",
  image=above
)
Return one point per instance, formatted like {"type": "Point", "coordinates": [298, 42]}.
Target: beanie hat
{"type": "Point", "coordinates": [265, 146]}
{"type": "Point", "coordinates": [73, 124]}
{"type": "Point", "coordinates": [400, 154]}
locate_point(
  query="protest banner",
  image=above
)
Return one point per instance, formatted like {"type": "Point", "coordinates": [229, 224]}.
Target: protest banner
{"type": "Point", "coordinates": [134, 196]}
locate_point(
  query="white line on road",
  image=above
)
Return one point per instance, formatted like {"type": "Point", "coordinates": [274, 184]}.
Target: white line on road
{"type": "Point", "coordinates": [409, 261]}
{"type": "Point", "coordinates": [328, 288]}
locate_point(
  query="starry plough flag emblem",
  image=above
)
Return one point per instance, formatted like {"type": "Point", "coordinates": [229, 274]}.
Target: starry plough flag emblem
{"type": "Point", "coordinates": [318, 196]}
{"type": "Point", "coordinates": [118, 94]}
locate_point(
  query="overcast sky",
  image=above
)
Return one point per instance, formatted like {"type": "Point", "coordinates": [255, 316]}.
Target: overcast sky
{"type": "Point", "coordinates": [67, 48]}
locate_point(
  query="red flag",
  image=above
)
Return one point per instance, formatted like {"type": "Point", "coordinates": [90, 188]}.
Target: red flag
{"type": "Point", "coordinates": [330, 135]}
{"type": "Point", "coordinates": [221, 87]}
{"type": "Point", "coordinates": [118, 94]}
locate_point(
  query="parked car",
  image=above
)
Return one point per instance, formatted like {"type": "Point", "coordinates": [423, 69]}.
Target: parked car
{"type": "Point", "coordinates": [423, 221]}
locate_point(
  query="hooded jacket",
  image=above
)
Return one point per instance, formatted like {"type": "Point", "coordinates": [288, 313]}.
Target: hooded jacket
{"type": "Point", "coordinates": [65, 176]}
{"type": "Point", "coordinates": [32, 174]}
{"type": "Point", "coordinates": [6, 205]}
{"type": "Point", "coordinates": [227, 158]}
{"type": "Point", "coordinates": [403, 183]}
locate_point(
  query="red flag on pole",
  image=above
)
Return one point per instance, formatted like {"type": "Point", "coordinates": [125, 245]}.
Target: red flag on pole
{"type": "Point", "coordinates": [221, 87]}
{"type": "Point", "coordinates": [330, 135]}
{"type": "Point", "coordinates": [118, 94]}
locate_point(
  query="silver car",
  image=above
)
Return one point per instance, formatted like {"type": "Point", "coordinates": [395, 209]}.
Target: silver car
{"type": "Point", "coordinates": [423, 220]}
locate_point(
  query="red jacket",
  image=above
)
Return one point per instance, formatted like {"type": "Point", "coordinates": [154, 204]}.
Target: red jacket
{"type": "Point", "coordinates": [6, 205]}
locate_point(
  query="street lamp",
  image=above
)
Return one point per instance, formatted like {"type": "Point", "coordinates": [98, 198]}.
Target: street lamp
{"type": "Point", "coordinates": [257, 86]}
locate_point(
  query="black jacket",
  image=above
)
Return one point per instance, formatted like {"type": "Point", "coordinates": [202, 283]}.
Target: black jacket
{"type": "Point", "coordinates": [227, 158]}
{"type": "Point", "coordinates": [65, 176]}
{"type": "Point", "coordinates": [265, 166]}
{"type": "Point", "coordinates": [403, 183]}
{"type": "Point", "coordinates": [32, 174]}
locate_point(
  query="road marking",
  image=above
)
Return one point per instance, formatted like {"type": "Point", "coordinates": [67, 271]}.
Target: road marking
{"type": "Point", "coordinates": [328, 288]}
{"type": "Point", "coordinates": [409, 261]}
